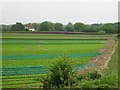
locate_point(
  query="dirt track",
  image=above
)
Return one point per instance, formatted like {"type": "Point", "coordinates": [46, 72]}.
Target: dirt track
{"type": "Point", "coordinates": [101, 62]}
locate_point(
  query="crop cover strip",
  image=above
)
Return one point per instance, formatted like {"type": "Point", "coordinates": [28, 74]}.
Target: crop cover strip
{"type": "Point", "coordinates": [28, 70]}
{"type": "Point", "coordinates": [79, 67]}
{"type": "Point", "coordinates": [37, 56]}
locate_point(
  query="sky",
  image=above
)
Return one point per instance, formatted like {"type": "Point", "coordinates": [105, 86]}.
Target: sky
{"type": "Point", "coordinates": [63, 11]}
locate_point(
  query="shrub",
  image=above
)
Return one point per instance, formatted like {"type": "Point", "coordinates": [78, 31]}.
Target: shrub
{"type": "Point", "coordinates": [93, 75]}
{"type": "Point", "coordinates": [60, 74]}
{"type": "Point", "coordinates": [104, 86]}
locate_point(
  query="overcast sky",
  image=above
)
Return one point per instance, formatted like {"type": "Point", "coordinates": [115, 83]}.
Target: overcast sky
{"type": "Point", "coordinates": [64, 12]}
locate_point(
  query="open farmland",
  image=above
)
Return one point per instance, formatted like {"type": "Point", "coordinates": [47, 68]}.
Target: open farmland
{"type": "Point", "coordinates": [26, 57]}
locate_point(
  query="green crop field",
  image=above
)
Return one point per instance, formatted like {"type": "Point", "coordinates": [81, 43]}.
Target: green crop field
{"type": "Point", "coordinates": [55, 36]}
{"type": "Point", "coordinates": [26, 57]}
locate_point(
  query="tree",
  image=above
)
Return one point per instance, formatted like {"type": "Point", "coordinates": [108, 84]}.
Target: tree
{"type": "Point", "coordinates": [108, 28]}
{"type": "Point", "coordinates": [87, 28]}
{"type": "Point", "coordinates": [33, 26]}
{"type": "Point", "coordinates": [70, 27]}
{"type": "Point", "coordinates": [51, 26]}
{"type": "Point", "coordinates": [79, 27]}
{"type": "Point", "coordinates": [95, 27]}
{"type": "Point", "coordinates": [46, 26]}
{"type": "Point", "coordinates": [60, 73]}
{"type": "Point", "coordinates": [101, 32]}
{"type": "Point", "coordinates": [58, 27]}
{"type": "Point", "coordinates": [18, 27]}
{"type": "Point", "coordinates": [116, 27]}
{"type": "Point", "coordinates": [5, 27]}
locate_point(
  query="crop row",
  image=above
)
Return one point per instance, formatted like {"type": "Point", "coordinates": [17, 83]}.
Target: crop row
{"type": "Point", "coordinates": [27, 41]}
{"type": "Point", "coordinates": [35, 56]}
{"type": "Point", "coordinates": [79, 67]}
{"type": "Point", "coordinates": [8, 71]}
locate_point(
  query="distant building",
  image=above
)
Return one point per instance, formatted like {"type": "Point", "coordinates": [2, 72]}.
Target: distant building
{"type": "Point", "coordinates": [31, 29]}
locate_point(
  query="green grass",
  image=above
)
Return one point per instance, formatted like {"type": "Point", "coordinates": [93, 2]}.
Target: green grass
{"type": "Point", "coordinates": [22, 76]}
{"type": "Point", "coordinates": [47, 49]}
{"type": "Point", "coordinates": [28, 85]}
{"type": "Point", "coordinates": [54, 41]}
{"type": "Point", "coordinates": [38, 62]}
{"type": "Point", "coordinates": [50, 48]}
{"type": "Point", "coordinates": [55, 36]}
{"type": "Point", "coordinates": [22, 81]}
{"type": "Point", "coordinates": [33, 47]}
{"type": "Point", "coordinates": [109, 78]}
{"type": "Point", "coordinates": [110, 75]}
{"type": "Point", "coordinates": [113, 64]}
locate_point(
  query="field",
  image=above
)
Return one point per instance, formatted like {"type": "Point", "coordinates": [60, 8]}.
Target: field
{"type": "Point", "coordinates": [26, 57]}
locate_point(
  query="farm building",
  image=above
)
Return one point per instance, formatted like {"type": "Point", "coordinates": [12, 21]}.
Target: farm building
{"type": "Point", "coordinates": [31, 29]}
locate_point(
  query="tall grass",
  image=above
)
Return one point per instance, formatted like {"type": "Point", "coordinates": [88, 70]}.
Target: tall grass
{"type": "Point", "coordinates": [109, 79]}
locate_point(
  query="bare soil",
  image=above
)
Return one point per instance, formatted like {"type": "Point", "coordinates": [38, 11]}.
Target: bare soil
{"type": "Point", "coordinates": [101, 62]}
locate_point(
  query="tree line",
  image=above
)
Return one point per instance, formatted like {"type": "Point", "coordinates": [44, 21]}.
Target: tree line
{"type": "Point", "coordinates": [49, 26]}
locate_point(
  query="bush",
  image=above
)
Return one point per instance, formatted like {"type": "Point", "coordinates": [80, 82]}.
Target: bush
{"type": "Point", "coordinates": [87, 84]}
{"type": "Point", "coordinates": [60, 74]}
{"type": "Point", "coordinates": [104, 86]}
{"type": "Point", "coordinates": [93, 75]}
